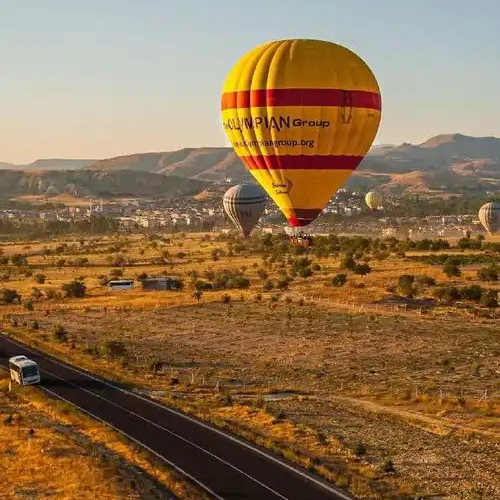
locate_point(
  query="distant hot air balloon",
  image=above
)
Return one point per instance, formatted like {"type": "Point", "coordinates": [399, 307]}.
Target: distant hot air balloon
{"type": "Point", "coordinates": [244, 204]}
{"type": "Point", "coordinates": [373, 200]}
{"type": "Point", "coordinates": [489, 216]}
{"type": "Point", "coordinates": [301, 115]}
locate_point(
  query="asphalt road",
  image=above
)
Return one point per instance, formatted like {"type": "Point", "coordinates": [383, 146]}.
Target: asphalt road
{"type": "Point", "coordinates": [226, 467]}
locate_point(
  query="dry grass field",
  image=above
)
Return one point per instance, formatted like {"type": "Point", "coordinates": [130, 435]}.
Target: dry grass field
{"type": "Point", "coordinates": [50, 450]}
{"type": "Point", "coordinates": [389, 388]}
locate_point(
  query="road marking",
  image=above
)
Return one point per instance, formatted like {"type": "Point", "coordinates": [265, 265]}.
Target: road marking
{"type": "Point", "coordinates": [158, 455]}
{"type": "Point", "coordinates": [168, 431]}
{"type": "Point", "coordinates": [234, 439]}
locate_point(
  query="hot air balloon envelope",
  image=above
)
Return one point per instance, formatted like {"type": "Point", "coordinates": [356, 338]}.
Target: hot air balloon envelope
{"type": "Point", "coordinates": [244, 205]}
{"type": "Point", "coordinates": [373, 200]}
{"type": "Point", "coordinates": [301, 115]}
{"type": "Point", "coordinates": [489, 216]}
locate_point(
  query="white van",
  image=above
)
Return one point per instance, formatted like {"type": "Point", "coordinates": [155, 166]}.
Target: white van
{"type": "Point", "coordinates": [24, 371]}
{"type": "Point", "coordinates": [120, 284]}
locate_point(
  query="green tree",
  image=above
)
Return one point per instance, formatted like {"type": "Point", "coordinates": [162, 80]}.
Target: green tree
{"type": "Point", "coordinates": [339, 280]}
{"type": "Point", "coordinates": [40, 278]}
{"type": "Point", "coordinates": [10, 296]}
{"type": "Point", "coordinates": [451, 269]}
{"type": "Point", "coordinates": [406, 285]}
{"type": "Point", "coordinates": [19, 260]}
{"type": "Point", "coordinates": [75, 288]}
{"type": "Point", "coordinates": [489, 273]}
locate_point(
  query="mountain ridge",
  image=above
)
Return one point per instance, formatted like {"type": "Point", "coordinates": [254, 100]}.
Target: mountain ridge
{"type": "Point", "coordinates": [445, 163]}
{"type": "Point", "coordinates": [88, 183]}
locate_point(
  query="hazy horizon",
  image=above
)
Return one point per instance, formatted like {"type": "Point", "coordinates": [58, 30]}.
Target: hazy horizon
{"type": "Point", "coordinates": [56, 158]}
{"type": "Point", "coordinates": [99, 79]}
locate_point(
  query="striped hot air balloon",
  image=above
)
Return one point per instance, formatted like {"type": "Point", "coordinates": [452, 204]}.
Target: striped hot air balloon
{"type": "Point", "coordinates": [244, 205]}
{"type": "Point", "coordinates": [489, 216]}
{"type": "Point", "coordinates": [301, 115]}
{"type": "Point", "coordinates": [373, 200]}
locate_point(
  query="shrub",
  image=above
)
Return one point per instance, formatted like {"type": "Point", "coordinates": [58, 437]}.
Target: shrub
{"type": "Point", "coordinates": [268, 285]}
{"type": "Point", "coordinates": [19, 260]}
{"type": "Point", "coordinates": [305, 272]}
{"type": "Point", "coordinates": [406, 284]}
{"type": "Point", "coordinates": [361, 269]}
{"type": "Point", "coordinates": [425, 280]}
{"type": "Point", "coordinates": [52, 294]}
{"type": "Point", "coordinates": [447, 294]}
{"type": "Point", "coordinates": [263, 274]}
{"type": "Point", "coordinates": [339, 280]}
{"type": "Point", "coordinates": [10, 296]}
{"type": "Point", "coordinates": [103, 280]}
{"type": "Point", "coordinates": [75, 288]}
{"type": "Point", "coordinates": [451, 269]}
{"type": "Point", "coordinates": [241, 282]}
{"type": "Point", "coordinates": [489, 299]}
{"type": "Point", "coordinates": [348, 263]}
{"type": "Point", "coordinates": [81, 262]}
{"type": "Point", "coordinates": [387, 466]}
{"type": "Point", "coordinates": [489, 273]}
{"type": "Point", "coordinates": [115, 349]}
{"type": "Point", "coordinates": [116, 273]}
{"type": "Point", "coordinates": [283, 282]}
{"type": "Point", "coordinates": [473, 293]}
{"type": "Point", "coordinates": [60, 334]}
{"type": "Point", "coordinates": [40, 278]}
{"type": "Point", "coordinates": [360, 449]}
{"type": "Point", "coordinates": [225, 399]}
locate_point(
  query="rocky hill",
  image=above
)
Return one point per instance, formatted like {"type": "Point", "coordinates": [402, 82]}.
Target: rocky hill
{"type": "Point", "coordinates": [95, 183]}
{"type": "Point", "coordinates": [444, 164]}
{"type": "Point", "coordinates": [208, 164]}
{"type": "Point", "coordinates": [49, 164]}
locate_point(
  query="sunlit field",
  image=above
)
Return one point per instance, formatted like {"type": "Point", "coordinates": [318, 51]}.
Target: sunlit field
{"type": "Point", "coordinates": [49, 449]}
{"type": "Point", "coordinates": [374, 363]}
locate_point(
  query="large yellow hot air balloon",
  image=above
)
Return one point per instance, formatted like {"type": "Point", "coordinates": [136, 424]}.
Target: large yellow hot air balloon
{"type": "Point", "coordinates": [373, 200]}
{"type": "Point", "coordinates": [301, 115]}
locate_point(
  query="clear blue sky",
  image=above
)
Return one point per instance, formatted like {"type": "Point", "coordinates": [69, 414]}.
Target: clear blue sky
{"type": "Point", "coordinates": [100, 78]}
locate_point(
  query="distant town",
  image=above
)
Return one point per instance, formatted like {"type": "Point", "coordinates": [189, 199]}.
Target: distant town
{"type": "Point", "coordinates": [346, 213]}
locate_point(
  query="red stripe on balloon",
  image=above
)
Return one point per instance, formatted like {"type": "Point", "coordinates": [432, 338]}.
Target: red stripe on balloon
{"type": "Point", "coordinates": [303, 216]}
{"type": "Point", "coordinates": [301, 97]}
{"type": "Point", "coordinates": [301, 162]}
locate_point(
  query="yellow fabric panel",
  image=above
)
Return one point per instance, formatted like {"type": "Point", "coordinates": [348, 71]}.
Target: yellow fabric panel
{"type": "Point", "coordinates": [311, 130]}
{"type": "Point", "coordinates": [310, 188]}
{"type": "Point", "coordinates": [300, 63]}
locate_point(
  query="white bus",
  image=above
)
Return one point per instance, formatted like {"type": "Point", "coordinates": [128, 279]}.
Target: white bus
{"type": "Point", "coordinates": [24, 371]}
{"type": "Point", "coordinates": [121, 284]}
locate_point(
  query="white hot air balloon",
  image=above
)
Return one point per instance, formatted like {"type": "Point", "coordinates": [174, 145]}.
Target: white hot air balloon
{"type": "Point", "coordinates": [489, 216]}
{"type": "Point", "coordinates": [373, 200]}
{"type": "Point", "coordinates": [244, 205]}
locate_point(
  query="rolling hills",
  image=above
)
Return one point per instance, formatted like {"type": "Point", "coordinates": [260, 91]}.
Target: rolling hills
{"type": "Point", "coordinates": [452, 163]}
{"type": "Point", "coordinates": [82, 183]}
{"type": "Point", "coordinates": [49, 164]}
{"type": "Point", "coordinates": [444, 164]}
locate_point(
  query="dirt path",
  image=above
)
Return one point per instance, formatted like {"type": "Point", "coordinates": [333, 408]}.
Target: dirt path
{"type": "Point", "coordinates": [439, 426]}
